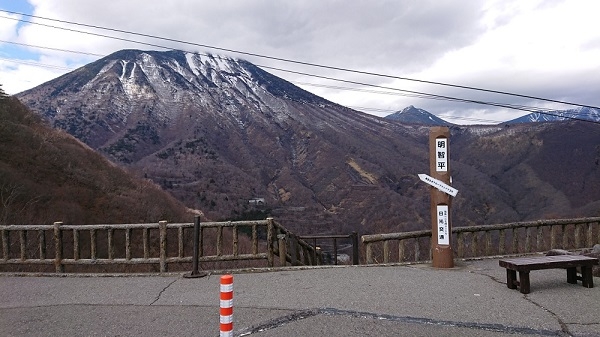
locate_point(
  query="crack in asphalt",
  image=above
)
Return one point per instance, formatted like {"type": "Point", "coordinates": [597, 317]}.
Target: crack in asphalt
{"type": "Point", "coordinates": [303, 314]}
{"type": "Point", "coordinates": [162, 291]}
{"type": "Point", "coordinates": [563, 325]}
{"type": "Point", "coordinates": [493, 278]}
{"type": "Point", "coordinates": [279, 321]}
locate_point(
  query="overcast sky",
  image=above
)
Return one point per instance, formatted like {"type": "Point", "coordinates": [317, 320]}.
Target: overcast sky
{"type": "Point", "coordinates": [548, 49]}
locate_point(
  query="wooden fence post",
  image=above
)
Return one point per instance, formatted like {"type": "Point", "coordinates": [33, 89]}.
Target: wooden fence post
{"type": "Point", "coordinates": [76, 249]}
{"type": "Point", "coordinates": [5, 242]}
{"type": "Point", "coordinates": [369, 253]}
{"type": "Point", "coordinates": [23, 244]}
{"type": "Point", "coordinates": [162, 227]}
{"type": "Point", "coordinates": [111, 246]}
{"type": "Point", "coordinates": [58, 247]}
{"type": "Point", "coordinates": [93, 247]}
{"type": "Point", "coordinates": [282, 249]}
{"type": "Point", "coordinates": [400, 250]}
{"type": "Point", "coordinates": [293, 249]}
{"type": "Point", "coordinates": [42, 242]}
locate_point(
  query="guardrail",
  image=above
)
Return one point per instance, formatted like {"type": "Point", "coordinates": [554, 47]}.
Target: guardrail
{"type": "Point", "coordinates": [476, 241]}
{"type": "Point", "coordinates": [151, 244]}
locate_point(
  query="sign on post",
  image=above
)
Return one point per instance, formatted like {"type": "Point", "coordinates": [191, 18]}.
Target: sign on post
{"type": "Point", "coordinates": [439, 179]}
{"type": "Point", "coordinates": [438, 184]}
{"type": "Point", "coordinates": [443, 235]}
{"type": "Point", "coordinates": [441, 154]}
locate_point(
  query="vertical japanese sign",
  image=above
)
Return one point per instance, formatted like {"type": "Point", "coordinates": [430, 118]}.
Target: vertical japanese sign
{"type": "Point", "coordinates": [442, 225]}
{"type": "Point", "coordinates": [441, 155]}
{"type": "Point", "coordinates": [442, 255]}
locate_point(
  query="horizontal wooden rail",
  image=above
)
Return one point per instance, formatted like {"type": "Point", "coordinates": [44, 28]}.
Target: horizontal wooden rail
{"type": "Point", "coordinates": [476, 241]}
{"type": "Point", "coordinates": [156, 244]}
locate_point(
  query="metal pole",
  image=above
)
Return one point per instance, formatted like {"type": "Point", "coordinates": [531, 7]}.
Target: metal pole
{"type": "Point", "coordinates": [270, 242]}
{"type": "Point", "coordinates": [335, 252]}
{"type": "Point", "coordinates": [315, 251]}
{"type": "Point", "coordinates": [355, 248]}
{"type": "Point", "coordinates": [195, 254]}
{"type": "Point", "coordinates": [441, 228]}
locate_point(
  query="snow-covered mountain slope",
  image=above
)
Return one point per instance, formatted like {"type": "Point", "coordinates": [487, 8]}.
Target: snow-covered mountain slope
{"type": "Point", "coordinates": [582, 113]}
{"type": "Point", "coordinates": [131, 87]}
{"type": "Point", "coordinates": [217, 132]}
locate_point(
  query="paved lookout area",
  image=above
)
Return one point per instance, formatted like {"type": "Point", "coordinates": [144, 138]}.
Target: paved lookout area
{"type": "Point", "coordinates": [408, 300]}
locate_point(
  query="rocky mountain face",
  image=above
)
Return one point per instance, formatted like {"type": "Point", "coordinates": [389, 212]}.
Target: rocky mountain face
{"type": "Point", "coordinates": [234, 141]}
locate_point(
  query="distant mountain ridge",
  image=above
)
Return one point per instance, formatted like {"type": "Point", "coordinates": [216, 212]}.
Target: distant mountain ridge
{"type": "Point", "coordinates": [412, 115]}
{"type": "Point", "coordinates": [582, 113]}
{"type": "Point", "coordinates": [218, 133]}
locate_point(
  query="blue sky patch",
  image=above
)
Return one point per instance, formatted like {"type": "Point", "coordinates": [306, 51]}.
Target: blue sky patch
{"type": "Point", "coordinates": [8, 50]}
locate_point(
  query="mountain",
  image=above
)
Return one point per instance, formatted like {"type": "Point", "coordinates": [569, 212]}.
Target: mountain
{"type": "Point", "coordinates": [412, 115]}
{"type": "Point", "coordinates": [46, 175]}
{"type": "Point", "coordinates": [218, 132]}
{"type": "Point", "coordinates": [228, 138]}
{"type": "Point", "coordinates": [532, 170]}
{"type": "Point", "coordinates": [582, 113]}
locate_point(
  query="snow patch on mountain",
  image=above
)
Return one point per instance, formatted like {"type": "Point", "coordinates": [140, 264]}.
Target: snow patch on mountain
{"type": "Point", "coordinates": [483, 130]}
{"type": "Point", "coordinates": [100, 73]}
{"type": "Point", "coordinates": [581, 113]}
{"type": "Point", "coordinates": [139, 92]}
{"type": "Point", "coordinates": [191, 63]}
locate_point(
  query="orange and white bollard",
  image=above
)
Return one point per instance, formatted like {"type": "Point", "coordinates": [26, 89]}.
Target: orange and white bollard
{"type": "Point", "coordinates": [226, 311]}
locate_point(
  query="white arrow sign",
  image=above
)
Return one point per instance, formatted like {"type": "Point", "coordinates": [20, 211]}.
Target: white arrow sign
{"type": "Point", "coordinates": [440, 185]}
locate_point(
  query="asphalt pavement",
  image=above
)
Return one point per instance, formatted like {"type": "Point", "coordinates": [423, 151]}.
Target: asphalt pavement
{"type": "Point", "coordinates": [398, 300]}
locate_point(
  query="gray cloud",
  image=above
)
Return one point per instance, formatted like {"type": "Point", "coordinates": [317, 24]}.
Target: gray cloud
{"type": "Point", "coordinates": [391, 34]}
{"type": "Point", "coordinates": [525, 47]}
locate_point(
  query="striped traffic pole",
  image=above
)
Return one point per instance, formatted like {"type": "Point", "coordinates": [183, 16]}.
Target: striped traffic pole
{"type": "Point", "coordinates": [226, 312]}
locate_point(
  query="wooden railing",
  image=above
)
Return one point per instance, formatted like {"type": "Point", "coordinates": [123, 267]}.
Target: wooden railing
{"type": "Point", "coordinates": [163, 246]}
{"type": "Point", "coordinates": [157, 245]}
{"type": "Point", "coordinates": [477, 241]}
{"type": "Point", "coordinates": [296, 251]}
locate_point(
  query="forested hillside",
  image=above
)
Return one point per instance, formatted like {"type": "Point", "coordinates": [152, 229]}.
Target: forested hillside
{"type": "Point", "coordinates": [46, 175]}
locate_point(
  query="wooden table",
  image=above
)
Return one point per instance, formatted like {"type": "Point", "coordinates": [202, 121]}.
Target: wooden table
{"type": "Point", "coordinates": [524, 265]}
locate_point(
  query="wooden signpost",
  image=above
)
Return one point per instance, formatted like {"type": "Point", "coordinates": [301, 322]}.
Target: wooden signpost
{"type": "Point", "coordinates": [439, 179]}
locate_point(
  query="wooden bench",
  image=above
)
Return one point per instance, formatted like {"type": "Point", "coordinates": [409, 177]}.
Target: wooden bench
{"type": "Point", "coordinates": [524, 265]}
